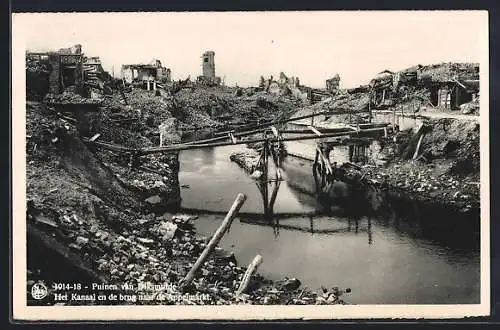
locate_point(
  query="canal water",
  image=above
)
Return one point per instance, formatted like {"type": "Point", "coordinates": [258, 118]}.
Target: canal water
{"type": "Point", "coordinates": [405, 256]}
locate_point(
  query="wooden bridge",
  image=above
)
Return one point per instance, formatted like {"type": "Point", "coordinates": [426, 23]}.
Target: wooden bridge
{"type": "Point", "coordinates": [235, 137]}
{"type": "Point", "coordinates": [272, 140]}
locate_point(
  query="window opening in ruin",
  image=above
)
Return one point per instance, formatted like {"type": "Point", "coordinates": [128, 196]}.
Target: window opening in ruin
{"type": "Point", "coordinates": [205, 60]}
{"type": "Point", "coordinates": [434, 97]}
{"type": "Point", "coordinates": [68, 76]}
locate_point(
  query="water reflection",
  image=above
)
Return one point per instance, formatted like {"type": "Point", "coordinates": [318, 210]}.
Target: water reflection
{"type": "Point", "coordinates": [208, 156]}
{"type": "Point", "coordinates": [392, 251]}
{"type": "Point", "coordinates": [410, 219]}
{"type": "Point", "coordinates": [314, 225]}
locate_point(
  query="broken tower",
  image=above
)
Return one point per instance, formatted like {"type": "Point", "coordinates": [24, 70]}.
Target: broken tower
{"type": "Point", "coordinates": [208, 74]}
{"type": "Point", "coordinates": [208, 64]}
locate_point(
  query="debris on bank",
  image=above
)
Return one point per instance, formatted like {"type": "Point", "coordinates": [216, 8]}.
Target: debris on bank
{"type": "Point", "coordinates": [442, 169]}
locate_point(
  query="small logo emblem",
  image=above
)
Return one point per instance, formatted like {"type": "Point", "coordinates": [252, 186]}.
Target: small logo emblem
{"type": "Point", "coordinates": [39, 291]}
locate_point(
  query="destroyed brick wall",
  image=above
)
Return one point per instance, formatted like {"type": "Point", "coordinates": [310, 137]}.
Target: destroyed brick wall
{"type": "Point", "coordinates": [145, 72]}
{"type": "Point", "coordinates": [138, 72]}
{"type": "Point", "coordinates": [55, 73]}
{"type": "Point", "coordinates": [163, 75]}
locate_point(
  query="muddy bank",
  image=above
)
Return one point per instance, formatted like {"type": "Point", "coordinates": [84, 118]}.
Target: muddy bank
{"type": "Point", "coordinates": [246, 159]}
{"type": "Point", "coordinates": [437, 164]}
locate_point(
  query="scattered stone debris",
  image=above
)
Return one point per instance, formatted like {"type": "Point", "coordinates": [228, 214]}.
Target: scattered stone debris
{"type": "Point", "coordinates": [108, 209]}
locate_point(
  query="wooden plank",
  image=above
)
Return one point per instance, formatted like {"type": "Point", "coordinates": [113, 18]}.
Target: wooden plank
{"type": "Point", "coordinates": [233, 139]}
{"type": "Point", "coordinates": [418, 145]}
{"type": "Point", "coordinates": [178, 147]}
{"type": "Point", "coordinates": [326, 161]}
{"type": "Point", "coordinates": [95, 137]}
{"type": "Point", "coordinates": [315, 131]}
{"type": "Point", "coordinates": [188, 146]}
{"type": "Point", "coordinates": [282, 121]}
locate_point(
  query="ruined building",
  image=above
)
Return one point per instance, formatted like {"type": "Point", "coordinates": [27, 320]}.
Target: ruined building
{"type": "Point", "coordinates": [92, 65]}
{"type": "Point", "coordinates": [291, 82]}
{"type": "Point", "coordinates": [146, 75]}
{"type": "Point", "coordinates": [451, 94]}
{"type": "Point", "coordinates": [283, 86]}
{"type": "Point", "coordinates": [447, 85]}
{"type": "Point", "coordinates": [65, 68]}
{"type": "Point", "coordinates": [208, 76]}
{"type": "Point", "coordinates": [332, 84]}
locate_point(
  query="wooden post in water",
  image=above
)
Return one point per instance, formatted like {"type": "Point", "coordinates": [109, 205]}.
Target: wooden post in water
{"type": "Point", "coordinates": [265, 177]}
{"type": "Point", "coordinates": [226, 223]}
{"type": "Point", "coordinates": [273, 197]}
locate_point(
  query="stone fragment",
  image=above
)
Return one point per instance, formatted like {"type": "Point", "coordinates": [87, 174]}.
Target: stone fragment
{"type": "Point", "coordinates": [82, 240]}
{"type": "Point", "coordinates": [153, 200]}
{"type": "Point", "coordinates": [168, 230]}
{"type": "Point", "coordinates": [145, 240]}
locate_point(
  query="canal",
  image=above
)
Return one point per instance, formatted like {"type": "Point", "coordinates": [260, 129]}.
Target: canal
{"type": "Point", "coordinates": [407, 255]}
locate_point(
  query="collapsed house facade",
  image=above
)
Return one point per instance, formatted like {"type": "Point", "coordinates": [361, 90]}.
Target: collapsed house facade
{"type": "Point", "coordinates": [446, 87]}
{"type": "Point", "coordinates": [66, 67]}
{"type": "Point", "coordinates": [451, 94]}
{"type": "Point", "coordinates": [146, 75]}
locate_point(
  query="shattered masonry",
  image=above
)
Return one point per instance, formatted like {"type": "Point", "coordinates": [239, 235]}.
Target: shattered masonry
{"type": "Point", "coordinates": [148, 75]}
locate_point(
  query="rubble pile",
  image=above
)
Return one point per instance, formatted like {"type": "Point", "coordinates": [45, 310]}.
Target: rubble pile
{"type": "Point", "coordinates": [155, 182]}
{"type": "Point", "coordinates": [132, 121]}
{"type": "Point", "coordinates": [445, 71]}
{"type": "Point", "coordinates": [199, 106]}
{"type": "Point", "coordinates": [218, 106]}
{"type": "Point", "coordinates": [470, 108]}
{"type": "Point", "coordinates": [450, 138]}
{"type": "Point", "coordinates": [70, 96]}
{"type": "Point", "coordinates": [429, 183]}
{"type": "Point", "coordinates": [109, 219]}
{"type": "Point", "coordinates": [344, 102]}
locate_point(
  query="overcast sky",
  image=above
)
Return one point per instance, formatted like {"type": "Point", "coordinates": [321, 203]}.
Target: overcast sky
{"type": "Point", "coordinates": [310, 45]}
